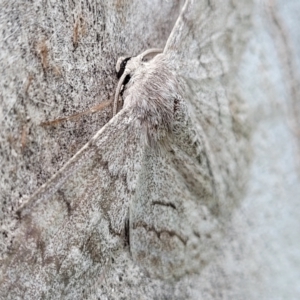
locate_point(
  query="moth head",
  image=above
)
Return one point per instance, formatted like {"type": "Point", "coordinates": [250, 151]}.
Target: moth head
{"type": "Point", "coordinates": [121, 65]}
{"type": "Point", "coordinates": [125, 67]}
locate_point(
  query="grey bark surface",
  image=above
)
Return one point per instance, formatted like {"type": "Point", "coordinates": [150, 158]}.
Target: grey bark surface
{"type": "Point", "coordinates": [57, 59]}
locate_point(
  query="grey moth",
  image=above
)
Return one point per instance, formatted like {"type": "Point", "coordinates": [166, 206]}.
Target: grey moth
{"type": "Point", "coordinates": [157, 174]}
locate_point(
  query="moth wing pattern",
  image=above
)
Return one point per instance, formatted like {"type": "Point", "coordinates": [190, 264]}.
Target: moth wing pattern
{"type": "Point", "coordinates": [184, 197]}
{"type": "Point", "coordinates": [76, 220]}
{"type": "Point", "coordinates": [173, 217]}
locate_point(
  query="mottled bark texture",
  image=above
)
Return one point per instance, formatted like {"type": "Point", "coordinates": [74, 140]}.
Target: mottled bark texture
{"type": "Point", "coordinates": [58, 59]}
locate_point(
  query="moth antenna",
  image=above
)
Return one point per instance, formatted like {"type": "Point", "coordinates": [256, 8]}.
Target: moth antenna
{"type": "Point", "coordinates": [151, 51]}
{"type": "Point", "coordinates": [118, 92]}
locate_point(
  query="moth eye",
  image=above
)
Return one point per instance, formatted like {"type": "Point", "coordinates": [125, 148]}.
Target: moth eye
{"type": "Point", "coordinates": [121, 65]}
{"type": "Point", "coordinates": [126, 80]}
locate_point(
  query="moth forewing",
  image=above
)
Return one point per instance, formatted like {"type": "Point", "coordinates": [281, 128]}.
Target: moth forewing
{"type": "Point", "coordinates": [77, 218]}
{"type": "Point", "coordinates": [174, 230]}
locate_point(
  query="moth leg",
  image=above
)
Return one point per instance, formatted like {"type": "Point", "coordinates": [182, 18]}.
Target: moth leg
{"type": "Point", "coordinates": [117, 94]}
{"type": "Point", "coordinates": [91, 110]}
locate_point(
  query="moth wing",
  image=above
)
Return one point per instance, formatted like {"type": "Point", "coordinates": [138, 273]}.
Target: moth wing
{"type": "Point", "coordinates": [76, 220]}
{"type": "Point", "coordinates": [184, 197]}
{"type": "Point", "coordinates": [174, 222]}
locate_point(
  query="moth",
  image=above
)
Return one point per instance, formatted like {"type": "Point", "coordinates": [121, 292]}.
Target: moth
{"type": "Point", "coordinates": [161, 165]}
